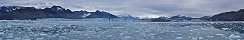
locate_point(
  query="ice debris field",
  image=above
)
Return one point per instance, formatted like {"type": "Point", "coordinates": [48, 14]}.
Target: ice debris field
{"type": "Point", "coordinates": [80, 30]}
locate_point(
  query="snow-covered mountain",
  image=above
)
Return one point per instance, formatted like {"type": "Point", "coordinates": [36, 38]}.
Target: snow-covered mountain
{"type": "Point", "coordinates": [100, 14]}
{"type": "Point", "coordinates": [128, 17]}
{"type": "Point", "coordinates": [96, 14]}
{"type": "Point", "coordinates": [23, 13]}
{"type": "Point", "coordinates": [180, 18]}
{"type": "Point", "coordinates": [6, 9]}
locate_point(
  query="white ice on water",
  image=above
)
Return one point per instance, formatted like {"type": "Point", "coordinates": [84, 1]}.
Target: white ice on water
{"type": "Point", "coordinates": [81, 30]}
{"type": "Point", "coordinates": [179, 37]}
{"type": "Point", "coordinates": [233, 36]}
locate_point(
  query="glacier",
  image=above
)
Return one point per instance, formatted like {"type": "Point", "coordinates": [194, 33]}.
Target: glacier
{"type": "Point", "coordinates": [104, 29]}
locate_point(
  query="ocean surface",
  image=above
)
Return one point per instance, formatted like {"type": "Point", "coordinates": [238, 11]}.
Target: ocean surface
{"type": "Point", "coordinates": [82, 30]}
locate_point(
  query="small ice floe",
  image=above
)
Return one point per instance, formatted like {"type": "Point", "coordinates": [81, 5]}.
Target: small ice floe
{"type": "Point", "coordinates": [127, 37]}
{"type": "Point", "coordinates": [234, 37]}
{"type": "Point", "coordinates": [210, 36]}
{"type": "Point", "coordinates": [17, 38]}
{"type": "Point", "coordinates": [121, 34]}
{"type": "Point", "coordinates": [2, 33]}
{"type": "Point", "coordinates": [200, 37]}
{"type": "Point", "coordinates": [76, 31]}
{"type": "Point", "coordinates": [137, 31]}
{"type": "Point", "coordinates": [220, 35]}
{"type": "Point", "coordinates": [26, 39]}
{"type": "Point", "coordinates": [204, 29]}
{"type": "Point", "coordinates": [174, 31]}
{"type": "Point", "coordinates": [9, 36]}
{"type": "Point", "coordinates": [225, 28]}
{"type": "Point", "coordinates": [119, 27]}
{"type": "Point", "coordinates": [195, 29]}
{"type": "Point", "coordinates": [43, 34]}
{"type": "Point", "coordinates": [39, 38]}
{"type": "Point", "coordinates": [88, 37]}
{"type": "Point", "coordinates": [152, 34]}
{"type": "Point", "coordinates": [178, 33]}
{"type": "Point", "coordinates": [179, 37]}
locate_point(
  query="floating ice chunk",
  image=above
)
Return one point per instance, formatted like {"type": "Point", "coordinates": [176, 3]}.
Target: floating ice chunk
{"type": "Point", "coordinates": [9, 36]}
{"type": "Point", "coordinates": [17, 38]}
{"type": "Point", "coordinates": [195, 29]}
{"type": "Point", "coordinates": [76, 32]}
{"type": "Point", "coordinates": [86, 34]}
{"type": "Point", "coordinates": [152, 34]}
{"type": "Point", "coordinates": [220, 35]}
{"type": "Point", "coordinates": [179, 37]}
{"type": "Point", "coordinates": [127, 37]}
{"type": "Point", "coordinates": [39, 38]}
{"type": "Point", "coordinates": [121, 34]}
{"type": "Point", "coordinates": [225, 28]}
{"type": "Point", "coordinates": [137, 31]}
{"type": "Point", "coordinates": [88, 37]}
{"type": "Point", "coordinates": [26, 39]}
{"type": "Point", "coordinates": [119, 27]}
{"type": "Point", "coordinates": [43, 34]}
{"type": "Point", "coordinates": [2, 33]}
{"type": "Point", "coordinates": [210, 36]}
{"type": "Point", "coordinates": [179, 34]}
{"type": "Point", "coordinates": [174, 31]}
{"type": "Point", "coordinates": [200, 37]}
{"type": "Point", "coordinates": [234, 36]}
{"type": "Point", "coordinates": [204, 29]}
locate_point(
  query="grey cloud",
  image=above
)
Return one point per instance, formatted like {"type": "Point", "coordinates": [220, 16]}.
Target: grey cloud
{"type": "Point", "coordinates": [142, 8]}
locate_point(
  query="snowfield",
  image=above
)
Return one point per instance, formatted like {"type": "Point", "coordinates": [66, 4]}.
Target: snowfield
{"type": "Point", "coordinates": [81, 30]}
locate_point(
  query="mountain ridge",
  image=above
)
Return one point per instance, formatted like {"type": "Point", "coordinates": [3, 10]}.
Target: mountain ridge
{"type": "Point", "coordinates": [229, 16]}
{"type": "Point", "coordinates": [32, 13]}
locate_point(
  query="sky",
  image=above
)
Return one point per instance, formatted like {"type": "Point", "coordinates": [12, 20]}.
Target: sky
{"type": "Point", "coordinates": [140, 8]}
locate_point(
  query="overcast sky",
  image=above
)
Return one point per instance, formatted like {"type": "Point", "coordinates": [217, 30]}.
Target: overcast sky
{"type": "Point", "coordinates": [141, 8]}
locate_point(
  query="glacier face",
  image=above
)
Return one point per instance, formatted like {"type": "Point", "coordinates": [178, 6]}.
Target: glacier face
{"type": "Point", "coordinates": [81, 30]}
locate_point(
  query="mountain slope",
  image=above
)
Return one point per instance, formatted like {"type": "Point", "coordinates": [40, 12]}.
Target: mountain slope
{"type": "Point", "coordinates": [101, 14]}
{"type": "Point", "coordinates": [229, 16]}
{"type": "Point", "coordinates": [32, 13]}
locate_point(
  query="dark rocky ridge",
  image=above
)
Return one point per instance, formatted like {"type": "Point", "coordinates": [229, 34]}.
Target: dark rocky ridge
{"type": "Point", "coordinates": [32, 13]}
{"type": "Point", "coordinates": [229, 16]}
